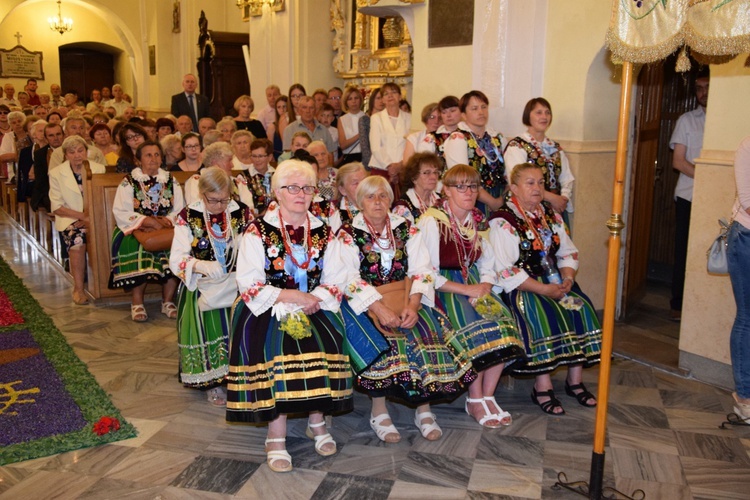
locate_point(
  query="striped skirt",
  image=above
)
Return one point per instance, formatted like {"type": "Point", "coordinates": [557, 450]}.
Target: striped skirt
{"type": "Point", "coordinates": [552, 335]}
{"type": "Point", "coordinates": [484, 342]}
{"type": "Point", "coordinates": [419, 366]}
{"type": "Point", "coordinates": [133, 266]}
{"type": "Point", "coordinates": [271, 373]}
{"type": "Point", "coordinates": [203, 341]}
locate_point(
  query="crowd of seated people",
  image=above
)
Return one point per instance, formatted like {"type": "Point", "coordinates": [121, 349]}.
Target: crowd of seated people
{"type": "Point", "coordinates": [410, 266]}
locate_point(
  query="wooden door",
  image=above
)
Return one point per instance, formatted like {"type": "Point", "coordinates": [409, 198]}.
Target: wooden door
{"type": "Point", "coordinates": [647, 139]}
{"type": "Point", "coordinates": [83, 70]}
{"type": "Point", "coordinates": [663, 95]}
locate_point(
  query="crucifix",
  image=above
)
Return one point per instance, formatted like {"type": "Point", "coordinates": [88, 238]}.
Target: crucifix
{"type": "Point", "coordinates": [18, 36]}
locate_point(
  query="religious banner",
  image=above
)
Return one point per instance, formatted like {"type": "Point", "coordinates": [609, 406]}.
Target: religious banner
{"type": "Point", "coordinates": [644, 31]}
{"type": "Point", "coordinates": [21, 63]}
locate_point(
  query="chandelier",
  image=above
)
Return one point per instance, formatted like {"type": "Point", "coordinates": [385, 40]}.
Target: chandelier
{"type": "Point", "coordinates": [60, 24]}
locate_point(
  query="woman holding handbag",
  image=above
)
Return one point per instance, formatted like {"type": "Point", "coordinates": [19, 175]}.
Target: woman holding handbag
{"type": "Point", "coordinates": [738, 254]}
{"type": "Point", "coordinates": [203, 256]}
{"type": "Point", "coordinates": [385, 272]}
{"type": "Point", "coordinates": [146, 203]}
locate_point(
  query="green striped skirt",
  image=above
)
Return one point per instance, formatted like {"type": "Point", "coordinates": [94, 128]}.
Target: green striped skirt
{"type": "Point", "coordinates": [133, 266]}
{"type": "Point", "coordinates": [484, 342]}
{"type": "Point", "coordinates": [203, 340]}
{"type": "Point", "coordinates": [552, 335]}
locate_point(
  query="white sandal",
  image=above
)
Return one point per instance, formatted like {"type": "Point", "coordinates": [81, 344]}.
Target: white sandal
{"type": "Point", "coordinates": [426, 429]}
{"type": "Point", "coordinates": [487, 414]}
{"type": "Point", "coordinates": [274, 455]}
{"type": "Point", "coordinates": [504, 417]}
{"type": "Point", "coordinates": [320, 440]}
{"type": "Point", "coordinates": [384, 430]}
{"type": "Point", "coordinates": [169, 310]}
{"type": "Point", "coordinates": [742, 410]}
{"type": "Point", "coordinates": [138, 313]}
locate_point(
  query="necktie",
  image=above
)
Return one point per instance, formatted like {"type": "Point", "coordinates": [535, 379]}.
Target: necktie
{"type": "Point", "coordinates": [194, 111]}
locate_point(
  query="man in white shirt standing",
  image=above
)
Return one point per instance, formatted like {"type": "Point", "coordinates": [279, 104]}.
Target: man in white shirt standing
{"type": "Point", "coordinates": [687, 142]}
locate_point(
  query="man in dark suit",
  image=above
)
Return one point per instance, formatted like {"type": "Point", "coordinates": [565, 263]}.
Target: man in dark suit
{"type": "Point", "coordinates": [40, 192]}
{"type": "Point", "coordinates": [190, 103]}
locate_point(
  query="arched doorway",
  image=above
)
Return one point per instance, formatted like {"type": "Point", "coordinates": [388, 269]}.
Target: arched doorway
{"type": "Point", "coordinates": [87, 66]}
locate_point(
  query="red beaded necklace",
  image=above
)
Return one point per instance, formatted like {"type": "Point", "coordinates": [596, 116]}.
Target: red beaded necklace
{"type": "Point", "coordinates": [307, 242]}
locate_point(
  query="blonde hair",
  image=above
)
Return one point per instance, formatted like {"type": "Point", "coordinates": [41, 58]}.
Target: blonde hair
{"type": "Point", "coordinates": [214, 180]}
{"type": "Point", "coordinates": [521, 168]}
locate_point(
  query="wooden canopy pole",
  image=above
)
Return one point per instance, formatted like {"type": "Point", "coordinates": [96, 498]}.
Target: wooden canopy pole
{"type": "Point", "coordinates": [615, 226]}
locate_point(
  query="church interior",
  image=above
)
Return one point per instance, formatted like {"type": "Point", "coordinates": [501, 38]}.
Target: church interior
{"type": "Point", "coordinates": [671, 382]}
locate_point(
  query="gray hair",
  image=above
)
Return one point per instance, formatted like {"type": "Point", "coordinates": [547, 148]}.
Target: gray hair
{"type": "Point", "coordinates": [371, 185]}
{"type": "Point", "coordinates": [211, 137]}
{"type": "Point", "coordinates": [214, 180]}
{"type": "Point", "coordinates": [216, 151]}
{"type": "Point", "coordinates": [242, 133]}
{"type": "Point", "coordinates": [73, 141]}
{"type": "Point", "coordinates": [16, 115]}
{"type": "Point", "coordinates": [169, 140]}
{"type": "Point", "coordinates": [291, 168]}
{"type": "Point", "coordinates": [347, 170]}
{"type": "Point", "coordinates": [227, 121]}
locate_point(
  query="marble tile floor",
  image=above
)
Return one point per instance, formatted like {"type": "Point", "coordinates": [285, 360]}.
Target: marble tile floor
{"type": "Point", "coordinates": [663, 434]}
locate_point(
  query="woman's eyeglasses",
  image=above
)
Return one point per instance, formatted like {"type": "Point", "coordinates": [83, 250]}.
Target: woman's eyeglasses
{"type": "Point", "coordinates": [213, 202]}
{"type": "Point", "coordinates": [296, 189]}
{"type": "Point", "coordinates": [132, 137]}
{"type": "Point", "coordinates": [461, 188]}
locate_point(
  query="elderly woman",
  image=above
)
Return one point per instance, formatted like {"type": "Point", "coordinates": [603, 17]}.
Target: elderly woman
{"type": "Point", "coordinates": [348, 125]}
{"type": "Point", "coordinates": [376, 253]}
{"type": "Point", "coordinates": [147, 199]}
{"type": "Point", "coordinates": [535, 147]}
{"type": "Point", "coordinates": [388, 129]}
{"type": "Point", "coordinates": [476, 145]}
{"type": "Point", "coordinates": [375, 104]}
{"type": "Point", "coordinates": [538, 263]}
{"type": "Point", "coordinates": [203, 256]}
{"type": "Point", "coordinates": [281, 273]}
{"type": "Point", "coordinates": [66, 201]}
{"type": "Point", "coordinates": [15, 140]}
{"type": "Point", "coordinates": [242, 159]}
{"type": "Point", "coordinates": [326, 173]}
{"type": "Point", "coordinates": [172, 147]}
{"type": "Point", "coordinates": [192, 148]}
{"type": "Point", "coordinates": [131, 136]}
{"type": "Point", "coordinates": [244, 106]}
{"type": "Point", "coordinates": [348, 178]}
{"type": "Point", "coordinates": [219, 155]}
{"type": "Point", "coordinates": [226, 128]}
{"type": "Point", "coordinates": [423, 140]}
{"type": "Point", "coordinates": [455, 235]}
{"type": "Point", "coordinates": [420, 186]}
{"type": "Point", "coordinates": [25, 175]}
{"type": "Point", "coordinates": [102, 137]}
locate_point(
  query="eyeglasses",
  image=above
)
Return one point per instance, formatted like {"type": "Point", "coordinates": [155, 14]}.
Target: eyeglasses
{"type": "Point", "coordinates": [211, 201]}
{"type": "Point", "coordinates": [132, 137]}
{"type": "Point", "coordinates": [461, 188]}
{"type": "Point", "coordinates": [259, 157]}
{"type": "Point", "coordinates": [192, 146]}
{"type": "Point", "coordinates": [296, 96]}
{"type": "Point", "coordinates": [294, 189]}
{"type": "Point", "coordinates": [335, 98]}
{"type": "Point", "coordinates": [427, 173]}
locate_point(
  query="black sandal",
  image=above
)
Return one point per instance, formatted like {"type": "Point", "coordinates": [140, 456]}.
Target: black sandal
{"type": "Point", "coordinates": [582, 396]}
{"type": "Point", "coordinates": [550, 406]}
